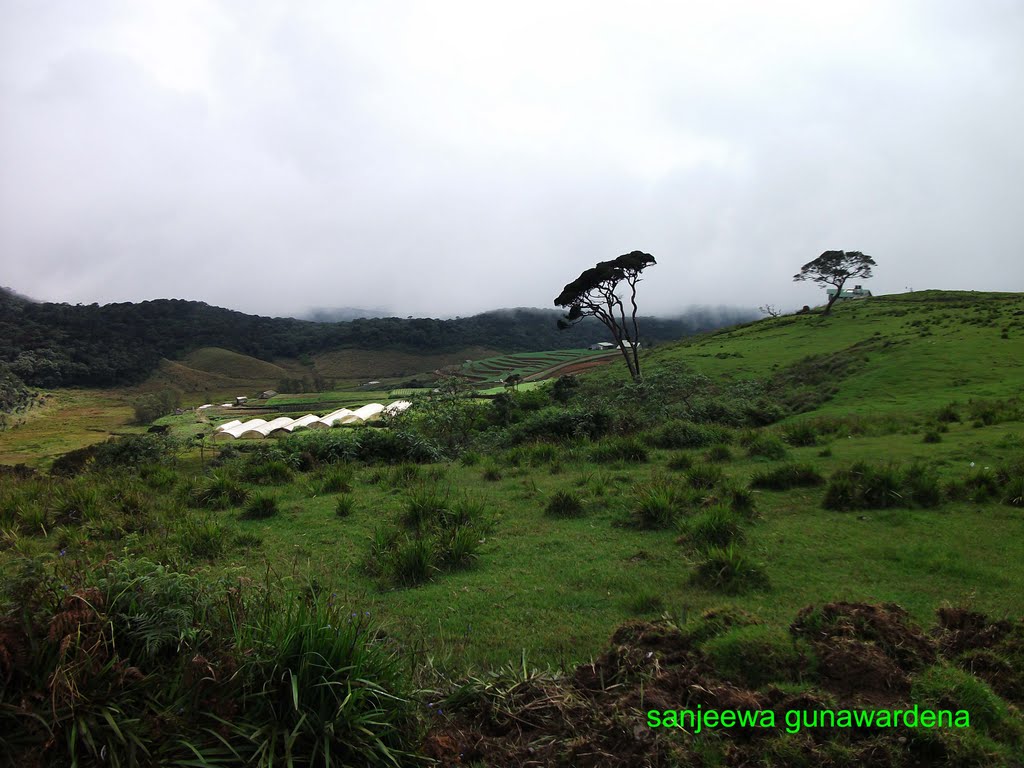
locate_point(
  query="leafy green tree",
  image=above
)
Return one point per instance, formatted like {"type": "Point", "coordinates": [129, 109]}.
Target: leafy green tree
{"type": "Point", "coordinates": [594, 294]}
{"type": "Point", "coordinates": [835, 268]}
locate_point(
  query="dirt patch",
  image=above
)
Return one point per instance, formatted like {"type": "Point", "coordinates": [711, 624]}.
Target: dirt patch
{"type": "Point", "coordinates": [886, 626]}
{"type": "Point", "coordinates": [962, 630]}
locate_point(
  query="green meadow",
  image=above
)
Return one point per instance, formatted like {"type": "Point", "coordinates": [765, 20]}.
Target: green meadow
{"type": "Point", "coordinates": [871, 457]}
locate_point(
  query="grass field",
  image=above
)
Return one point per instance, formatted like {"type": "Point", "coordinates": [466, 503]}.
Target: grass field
{"type": "Point", "coordinates": [901, 482]}
{"type": "Point", "coordinates": [528, 365]}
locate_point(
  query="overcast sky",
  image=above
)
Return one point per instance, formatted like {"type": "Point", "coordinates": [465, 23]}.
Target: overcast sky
{"type": "Point", "coordinates": [441, 158]}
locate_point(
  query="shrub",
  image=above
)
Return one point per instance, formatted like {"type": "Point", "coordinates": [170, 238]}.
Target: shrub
{"type": "Point", "coordinates": [344, 506]}
{"type": "Point", "coordinates": [77, 502]}
{"type": "Point", "coordinates": [730, 571]}
{"type": "Point", "coordinates": [542, 453]}
{"type": "Point", "coordinates": [614, 449]}
{"type": "Point", "coordinates": [492, 473]}
{"type": "Point", "coordinates": [403, 475]}
{"type": "Point", "coordinates": [753, 656]}
{"type": "Point", "coordinates": [716, 526]}
{"type": "Point", "coordinates": [469, 459]}
{"type": "Point", "coordinates": [564, 504]}
{"type": "Point", "coordinates": [787, 476]}
{"type": "Point", "coordinates": [259, 507]}
{"type": "Point", "coordinates": [932, 436]}
{"type": "Point", "coordinates": [948, 413]}
{"type": "Point", "coordinates": [561, 425]}
{"type": "Point", "coordinates": [1013, 493]}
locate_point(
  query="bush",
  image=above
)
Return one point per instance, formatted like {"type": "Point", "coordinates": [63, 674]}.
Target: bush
{"type": "Point", "coordinates": [615, 449]}
{"type": "Point", "coordinates": [469, 459]}
{"type": "Point", "coordinates": [730, 571]}
{"type": "Point", "coordinates": [561, 425]}
{"type": "Point", "coordinates": [932, 436]}
{"type": "Point", "coordinates": [787, 476]}
{"type": "Point", "coordinates": [716, 526]}
{"type": "Point", "coordinates": [492, 473]}
{"type": "Point", "coordinates": [564, 504]}
{"type": "Point", "coordinates": [260, 507]}
{"type": "Point", "coordinates": [948, 414]}
{"type": "Point", "coordinates": [686, 434]}
{"type": "Point", "coordinates": [753, 656]}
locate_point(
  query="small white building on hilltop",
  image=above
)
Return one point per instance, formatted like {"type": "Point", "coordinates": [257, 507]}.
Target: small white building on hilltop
{"type": "Point", "coordinates": [857, 292]}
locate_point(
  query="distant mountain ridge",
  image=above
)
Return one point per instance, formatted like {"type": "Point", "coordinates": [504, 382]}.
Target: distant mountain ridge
{"type": "Point", "coordinates": [49, 345]}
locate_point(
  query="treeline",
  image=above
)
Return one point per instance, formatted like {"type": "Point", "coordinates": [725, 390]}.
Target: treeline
{"type": "Point", "coordinates": [50, 345]}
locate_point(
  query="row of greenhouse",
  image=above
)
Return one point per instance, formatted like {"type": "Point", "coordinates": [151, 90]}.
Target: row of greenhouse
{"type": "Point", "coordinates": [257, 429]}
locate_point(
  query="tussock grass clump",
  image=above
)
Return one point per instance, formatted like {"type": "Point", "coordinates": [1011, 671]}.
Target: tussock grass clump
{"type": "Point", "coordinates": [218, 491]}
{"type": "Point", "coordinates": [345, 505]}
{"type": "Point", "coordinates": [680, 462]}
{"type": "Point", "coordinates": [260, 507]}
{"type": "Point", "coordinates": [541, 454]}
{"type": "Point", "coordinates": [948, 413]}
{"type": "Point", "coordinates": [787, 476]}
{"type": "Point", "coordinates": [613, 449]}
{"type": "Point", "coordinates": [704, 477]}
{"type": "Point", "coordinates": [403, 475]}
{"type": "Point", "coordinates": [565, 504]}
{"type": "Point", "coordinates": [643, 602]}
{"type": "Point", "coordinates": [800, 435]}
{"type": "Point", "coordinates": [867, 486]}
{"type": "Point", "coordinates": [159, 477]}
{"type": "Point", "coordinates": [729, 570]}
{"type": "Point", "coordinates": [469, 459]}
{"type": "Point", "coordinates": [437, 534]}
{"type": "Point", "coordinates": [755, 655]}
{"type": "Point", "coordinates": [716, 526]}
{"type": "Point", "coordinates": [491, 473]}
{"type": "Point", "coordinates": [335, 478]}
{"type": "Point", "coordinates": [679, 433]}
{"type": "Point", "coordinates": [266, 472]}
{"type": "Point", "coordinates": [78, 501]}
{"type": "Point", "coordinates": [931, 436]}
{"type": "Point", "coordinates": [660, 504]}
{"type": "Point", "coordinates": [201, 537]}
{"type": "Point", "coordinates": [719, 453]}
{"type": "Point", "coordinates": [765, 446]}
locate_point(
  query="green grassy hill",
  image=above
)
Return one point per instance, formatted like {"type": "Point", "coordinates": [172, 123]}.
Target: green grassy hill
{"type": "Point", "coordinates": [907, 352]}
{"type": "Point", "coordinates": [232, 365]}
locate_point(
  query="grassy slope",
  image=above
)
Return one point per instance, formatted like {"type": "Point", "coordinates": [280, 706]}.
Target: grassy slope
{"type": "Point", "coordinates": [556, 588]}
{"type": "Point", "coordinates": [922, 349]}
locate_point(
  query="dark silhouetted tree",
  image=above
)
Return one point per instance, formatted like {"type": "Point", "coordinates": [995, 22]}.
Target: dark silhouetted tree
{"type": "Point", "coordinates": [835, 268]}
{"type": "Point", "coordinates": [594, 294]}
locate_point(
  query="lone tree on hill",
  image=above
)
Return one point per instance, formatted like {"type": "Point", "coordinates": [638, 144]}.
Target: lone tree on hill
{"type": "Point", "coordinates": [593, 294]}
{"type": "Point", "coordinates": [835, 268]}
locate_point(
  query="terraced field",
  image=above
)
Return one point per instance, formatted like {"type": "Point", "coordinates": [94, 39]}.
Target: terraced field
{"type": "Point", "coordinates": [532, 366]}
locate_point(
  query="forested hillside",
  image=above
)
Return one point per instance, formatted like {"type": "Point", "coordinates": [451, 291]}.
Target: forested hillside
{"type": "Point", "coordinates": [50, 345]}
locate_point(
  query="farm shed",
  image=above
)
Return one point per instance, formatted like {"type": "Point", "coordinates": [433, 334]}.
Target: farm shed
{"type": "Point", "coordinates": [397, 407]}
{"type": "Point", "coordinates": [601, 346]}
{"type": "Point", "coordinates": [228, 425]}
{"type": "Point", "coordinates": [366, 414]}
{"type": "Point", "coordinates": [857, 292]}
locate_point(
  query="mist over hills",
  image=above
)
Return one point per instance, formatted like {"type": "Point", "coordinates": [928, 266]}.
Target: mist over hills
{"type": "Point", "coordinates": [49, 345]}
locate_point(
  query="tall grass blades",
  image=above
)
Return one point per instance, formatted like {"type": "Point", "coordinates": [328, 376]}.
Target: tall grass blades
{"type": "Point", "coordinates": [565, 504]}
{"type": "Point", "coordinates": [730, 571]}
{"type": "Point", "coordinates": [787, 476]}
